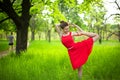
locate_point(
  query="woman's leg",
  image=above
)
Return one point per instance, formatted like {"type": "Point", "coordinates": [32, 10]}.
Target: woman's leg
{"type": "Point", "coordinates": [80, 72]}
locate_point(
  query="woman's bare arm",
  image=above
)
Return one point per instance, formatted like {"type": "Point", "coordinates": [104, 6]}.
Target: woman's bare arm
{"type": "Point", "coordinates": [78, 28]}
{"type": "Point", "coordinates": [81, 32]}
{"type": "Point", "coordinates": [95, 36]}
{"type": "Point", "coordinates": [57, 27]}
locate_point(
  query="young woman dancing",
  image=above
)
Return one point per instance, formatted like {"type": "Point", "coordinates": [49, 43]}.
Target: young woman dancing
{"type": "Point", "coordinates": [78, 51]}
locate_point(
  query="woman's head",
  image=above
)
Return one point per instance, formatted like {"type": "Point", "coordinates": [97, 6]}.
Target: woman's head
{"type": "Point", "coordinates": [64, 25]}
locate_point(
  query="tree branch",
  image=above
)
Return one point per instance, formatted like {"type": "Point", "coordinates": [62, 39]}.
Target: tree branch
{"type": "Point", "coordinates": [111, 16]}
{"type": "Point", "coordinates": [8, 9]}
{"type": "Point", "coordinates": [115, 33]}
{"type": "Point", "coordinates": [117, 4]}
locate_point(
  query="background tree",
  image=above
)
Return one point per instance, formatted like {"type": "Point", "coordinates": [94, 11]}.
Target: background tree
{"type": "Point", "coordinates": [35, 11]}
{"type": "Point", "coordinates": [117, 28]}
{"type": "Point", "coordinates": [116, 18]}
{"type": "Point", "coordinates": [33, 27]}
{"type": "Point", "coordinates": [21, 20]}
{"type": "Point", "coordinates": [94, 18]}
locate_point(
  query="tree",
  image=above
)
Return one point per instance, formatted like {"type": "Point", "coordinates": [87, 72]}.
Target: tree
{"type": "Point", "coordinates": [117, 31]}
{"type": "Point", "coordinates": [116, 18]}
{"type": "Point", "coordinates": [33, 27]}
{"type": "Point", "coordinates": [116, 2]}
{"type": "Point", "coordinates": [94, 18]}
{"type": "Point", "coordinates": [21, 20]}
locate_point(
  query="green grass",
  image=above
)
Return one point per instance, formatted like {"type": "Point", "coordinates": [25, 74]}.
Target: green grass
{"type": "Point", "coordinates": [3, 45]}
{"type": "Point", "coordinates": [50, 61]}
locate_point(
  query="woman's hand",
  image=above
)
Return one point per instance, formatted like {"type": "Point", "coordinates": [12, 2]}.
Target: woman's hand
{"type": "Point", "coordinates": [57, 25]}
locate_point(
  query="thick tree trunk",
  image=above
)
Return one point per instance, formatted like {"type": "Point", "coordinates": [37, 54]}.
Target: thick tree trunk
{"type": "Point", "coordinates": [21, 39]}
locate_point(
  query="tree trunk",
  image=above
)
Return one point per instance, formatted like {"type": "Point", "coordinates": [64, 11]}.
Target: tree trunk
{"type": "Point", "coordinates": [21, 39]}
{"type": "Point", "coordinates": [49, 35]}
{"type": "Point", "coordinates": [103, 35]}
{"type": "Point", "coordinates": [46, 35]}
{"type": "Point", "coordinates": [39, 35]}
{"type": "Point", "coordinates": [119, 32]}
{"type": "Point", "coordinates": [32, 35]}
{"type": "Point", "coordinates": [99, 33]}
{"type": "Point", "coordinates": [100, 40]}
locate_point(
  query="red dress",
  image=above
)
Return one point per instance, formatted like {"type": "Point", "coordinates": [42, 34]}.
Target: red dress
{"type": "Point", "coordinates": [79, 51]}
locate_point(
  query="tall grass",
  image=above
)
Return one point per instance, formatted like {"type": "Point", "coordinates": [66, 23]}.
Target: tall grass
{"type": "Point", "coordinates": [50, 61]}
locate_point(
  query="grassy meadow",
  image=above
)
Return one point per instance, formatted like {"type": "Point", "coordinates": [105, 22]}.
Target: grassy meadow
{"type": "Point", "coordinates": [50, 61]}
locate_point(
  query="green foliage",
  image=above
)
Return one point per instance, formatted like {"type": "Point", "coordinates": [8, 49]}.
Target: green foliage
{"type": "Point", "coordinates": [56, 13]}
{"type": "Point", "coordinates": [67, 10]}
{"type": "Point", "coordinates": [42, 24]}
{"type": "Point", "coordinates": [17, 6]}
{"type": "Point", "coordinates": [7, 26]}
{"type": "Point", "coordinates": [49, 12]}
{"type": "Point", "coordinates": [37, 7]}
{"type": "Point", "coordinates": [87, 4]}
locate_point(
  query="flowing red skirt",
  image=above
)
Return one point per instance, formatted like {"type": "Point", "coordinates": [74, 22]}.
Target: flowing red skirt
{"type": "Point", "coordinates": [80, 52]}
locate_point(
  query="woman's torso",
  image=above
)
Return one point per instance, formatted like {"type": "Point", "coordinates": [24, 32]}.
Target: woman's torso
{"type": "Point", "coordinates": [67, 40]}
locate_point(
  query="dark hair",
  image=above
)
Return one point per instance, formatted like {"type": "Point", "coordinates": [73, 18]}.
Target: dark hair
{"type": "Point", "coordinates": [63, 24]}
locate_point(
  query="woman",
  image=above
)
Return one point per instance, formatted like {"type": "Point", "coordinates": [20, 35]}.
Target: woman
{"type": "Point", "coordinates": [78, 51]}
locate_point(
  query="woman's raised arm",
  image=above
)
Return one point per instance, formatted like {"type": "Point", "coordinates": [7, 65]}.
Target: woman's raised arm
{"type": "Point", "coordinates": [78, 28]}
{"type": "Point", "coordinates": [57, 27]}
{"type": "Point", "coordinates": [95, 36]}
